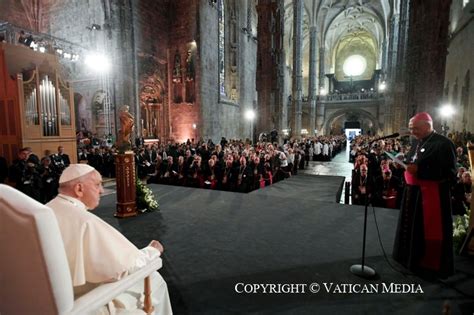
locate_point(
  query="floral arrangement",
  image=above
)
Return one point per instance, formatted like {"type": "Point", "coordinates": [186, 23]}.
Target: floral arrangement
{"type": "Point", "coordinates": [460, 227]}
{"type": "Point", "coordinates": [146, 201]}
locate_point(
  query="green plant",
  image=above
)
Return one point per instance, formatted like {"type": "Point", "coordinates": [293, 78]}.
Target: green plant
{"type": "Point", "coordinates": [146, 200]}
{"type": "Point", "coordinates": [460, 227]}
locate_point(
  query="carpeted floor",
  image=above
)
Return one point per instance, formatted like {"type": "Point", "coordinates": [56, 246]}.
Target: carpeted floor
{"type": "Point", "coordinates": [290, 233]}
{"type": "Point", "coordinates": [311, 187]}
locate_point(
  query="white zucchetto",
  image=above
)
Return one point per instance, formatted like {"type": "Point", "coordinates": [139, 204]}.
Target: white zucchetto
{"type": "Point", "coordinates": [74, 171]}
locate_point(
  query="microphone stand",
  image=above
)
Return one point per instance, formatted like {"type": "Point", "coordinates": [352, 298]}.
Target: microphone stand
{"type": "Point", "coordinates": [362, 270]}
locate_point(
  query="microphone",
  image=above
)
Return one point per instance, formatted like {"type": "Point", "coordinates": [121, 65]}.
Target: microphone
{"type": "Point", "coordinates": [393, 135]}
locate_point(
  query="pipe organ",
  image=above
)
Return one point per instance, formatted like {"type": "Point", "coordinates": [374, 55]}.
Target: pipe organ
{"type": "Point", "coordinates": [45, 103]}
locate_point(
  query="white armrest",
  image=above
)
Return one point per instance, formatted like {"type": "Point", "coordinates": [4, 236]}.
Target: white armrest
{"type": "Point", "coordinates": [105, 293]}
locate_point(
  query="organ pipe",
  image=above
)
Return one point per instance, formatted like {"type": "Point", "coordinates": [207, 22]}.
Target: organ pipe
{"type": "Point", "coordinates": [47, 101]}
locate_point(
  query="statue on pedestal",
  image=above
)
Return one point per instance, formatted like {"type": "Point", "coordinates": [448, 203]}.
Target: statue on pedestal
{"type": "Point", "coordinates": [126, 123]}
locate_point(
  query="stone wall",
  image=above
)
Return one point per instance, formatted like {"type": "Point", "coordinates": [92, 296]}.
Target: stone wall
{"type": "Point", "coordinates": [209, 69]}
{"type": "Point", "coordinates": [87, 83]}
{"type": "Point", "coordinates": [426, 56]}
{"type": "Point", "coordinates": [247, 54]}
{"type": "Point", "coordinates": [152, 29]}
{"type": "Point", "coordinates": [220, 115]}
{"type": "Point", "coordinates": [458, 64]}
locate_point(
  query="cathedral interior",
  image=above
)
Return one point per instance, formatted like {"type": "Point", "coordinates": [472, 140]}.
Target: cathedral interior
{"type": "Point", "coordinates": [192, 69]}
{"type": "Point", "coordinates": [191, 72]}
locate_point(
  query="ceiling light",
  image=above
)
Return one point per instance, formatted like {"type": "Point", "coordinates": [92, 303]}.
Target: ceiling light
{"type": "Point", "coordinates": [98, 62]}
{"type": "Point", "coordinates": [354, 65]}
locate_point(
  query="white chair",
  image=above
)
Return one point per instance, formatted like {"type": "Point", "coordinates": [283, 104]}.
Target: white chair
{"type": "Point", "coordinates": [34, 272]}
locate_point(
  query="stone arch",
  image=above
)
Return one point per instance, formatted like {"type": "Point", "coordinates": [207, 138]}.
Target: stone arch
{"type": "Point", "coordinates": [328, 122]}
{"type": "Point", "coordinates": [152, 108]}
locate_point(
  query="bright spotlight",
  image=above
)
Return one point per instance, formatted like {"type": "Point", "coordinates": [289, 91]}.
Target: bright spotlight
{"type": "Point", "coordinates": [382, 86]}
{"type": "Point", "coordinates": [322, 91]}
{"type": "Point", "coordinates": [250, 114]}
{"type": "Point", "coordinates": [354, 65]}
{"type": "Point", "coordinates": [446, 110]}
{"type": "Point", "coordinates": [194, 126]}
{"type": "Point", "coordinates": [98, 62]}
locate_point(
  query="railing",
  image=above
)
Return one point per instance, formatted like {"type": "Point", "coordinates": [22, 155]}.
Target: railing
{"type": "Point", "coordinates": [44, 43]}
{"type": "Point", "coordinates": [350, 96]}
{"type": "Point", "coordinates": [361, 96]}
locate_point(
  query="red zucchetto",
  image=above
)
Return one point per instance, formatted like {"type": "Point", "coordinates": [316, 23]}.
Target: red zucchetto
{"type": "Point", "coordinates": [421, 116]}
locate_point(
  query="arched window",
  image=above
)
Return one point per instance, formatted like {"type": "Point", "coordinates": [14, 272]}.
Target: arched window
{"type": "Point", "coordinates": [221, 10]}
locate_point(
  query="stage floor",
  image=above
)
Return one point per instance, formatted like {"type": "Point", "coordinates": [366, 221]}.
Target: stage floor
{"type": "Point", "coordinates": [290, 233]}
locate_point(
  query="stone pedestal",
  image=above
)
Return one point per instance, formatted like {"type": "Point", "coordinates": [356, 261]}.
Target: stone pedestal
{"type": "Point", "coordinates": [126, 189]}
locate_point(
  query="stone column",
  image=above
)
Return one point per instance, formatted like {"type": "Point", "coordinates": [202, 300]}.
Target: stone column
{"type": "Point", "coordinates": [266, 66]}
{"type": "Point", "coordinates": [389, 71]}
{"type": "Point", "coordinates": [125, 67]}
{"type": "Point", "coordinates": [383, 63]}
{"type": "Point", "coordinates": [312, 89]}
{"type": "Point", "coordinates": [396, 84]}
{"type": "Point", "coordinates": [320, 107]}
{"type": "Point", "coordinates": [321, 66]}
{"type": "Point", "coordinates": [281, 98]}
{"type": "Point", "coordinates": [392, 47]}
{"type": "Point", "coordinates": [330, 77]}
{"type": "Point", "coordinates": [426, 55]}
{"type": "Point", "coordinates": [297, 66]}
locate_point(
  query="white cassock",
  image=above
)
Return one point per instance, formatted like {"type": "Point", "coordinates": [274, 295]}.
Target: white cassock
{"type": "Point", "coordinates": [317, 148]}
{"type": "Point", "coordinates": [98, 253]}
{"type": "Point", "coordinates": [325, 149]}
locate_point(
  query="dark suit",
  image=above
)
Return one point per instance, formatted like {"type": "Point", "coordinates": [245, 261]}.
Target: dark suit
{"type": "Point", "coordinates": [3, 169]}
{"type": "Point", "coordinates": [358, 183]}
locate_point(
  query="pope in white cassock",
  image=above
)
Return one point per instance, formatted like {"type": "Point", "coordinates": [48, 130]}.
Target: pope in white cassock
{"type": "Point", "coordinates": [96, 251]}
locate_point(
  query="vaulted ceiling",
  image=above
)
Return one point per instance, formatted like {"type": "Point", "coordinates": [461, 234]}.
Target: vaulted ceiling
{"type": "Point", "coordinates": [338, 23]}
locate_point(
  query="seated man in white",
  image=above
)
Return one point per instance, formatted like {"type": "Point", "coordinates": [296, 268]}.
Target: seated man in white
{"type": "Point", "coordinates": [96, 251]}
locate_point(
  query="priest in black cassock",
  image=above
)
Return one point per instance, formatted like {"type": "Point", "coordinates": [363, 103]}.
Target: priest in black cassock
{"type": "Point", "coordinates": [424, 239]}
